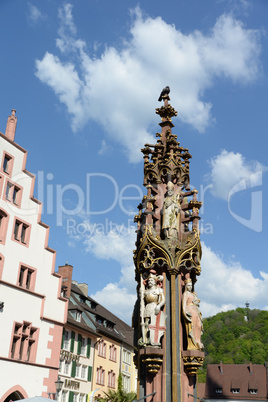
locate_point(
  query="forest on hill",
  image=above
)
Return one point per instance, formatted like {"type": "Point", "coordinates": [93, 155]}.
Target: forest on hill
{"type": "Point", "coordinates": [235, 337]}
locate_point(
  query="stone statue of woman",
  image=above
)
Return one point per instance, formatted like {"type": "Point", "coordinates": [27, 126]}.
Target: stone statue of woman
{"type": "Point", "coordinates": [192, 317]}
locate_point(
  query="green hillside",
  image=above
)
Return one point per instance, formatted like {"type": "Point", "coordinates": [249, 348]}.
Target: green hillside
{"type": "Point", "coordinates": [235, 337]}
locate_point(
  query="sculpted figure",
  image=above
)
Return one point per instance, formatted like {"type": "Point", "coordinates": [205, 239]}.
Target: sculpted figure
{"type": "Point", "coordinates": [192, 317]}
{"type": "Point", "coordinates": [171, 213]}
{"type": "Point", "coordinates": [153, 319]}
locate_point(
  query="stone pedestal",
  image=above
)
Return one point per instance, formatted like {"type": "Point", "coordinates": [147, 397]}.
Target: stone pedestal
{"type": "Point", "coordinates": [192, 360]}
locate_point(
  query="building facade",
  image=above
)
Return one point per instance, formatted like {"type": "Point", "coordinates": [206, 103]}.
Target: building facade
{"type": "Point", "coordinates": [32, 310]}
{"type": "Point", "coordinates": [96, 346]}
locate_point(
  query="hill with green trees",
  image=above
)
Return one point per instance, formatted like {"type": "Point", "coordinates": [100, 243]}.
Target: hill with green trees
{"type": "Point", "coordinates": [235, 337]}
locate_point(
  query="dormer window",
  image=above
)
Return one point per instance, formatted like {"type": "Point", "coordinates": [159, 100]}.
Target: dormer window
{"type": "Point", "coordinates": [235, 390]}
{"type": "Point", "coordinates": [253, 391]}
{"type": "Point", "coordinates": [82, 299]}
{"type": "Point", "coordinates": [218, 390]}
{"type": "Point", "coordinates": [109, 325]}
{"type": "Point", "coordinates": [99, 320]}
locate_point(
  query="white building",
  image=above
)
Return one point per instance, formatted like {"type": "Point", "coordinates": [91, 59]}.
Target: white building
{"type": "Point", "coordinates": [33, 314]}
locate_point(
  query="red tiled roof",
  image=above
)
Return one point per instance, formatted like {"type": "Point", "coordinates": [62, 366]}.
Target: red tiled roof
{"type": "Point", "coordinates": [236, 381]}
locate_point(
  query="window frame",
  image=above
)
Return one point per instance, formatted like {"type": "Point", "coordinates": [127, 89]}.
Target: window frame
{"type": "Point", "coordinates": [4, 219]}
{"type": "Point", "coordinates": [24, 342]}
{"type": "Point", "coordinates": [113, 353]}
{"type": "Point", "coordinates": [23, 278]}
{"type": "Point", "coordinates": [102, 349]}
{"type": "Point", "coordinates": [100, 377]}
{"type": "Point", "coordinates": [111, 379]}
{"type": "Point", "coordinates": [21, 235]}
{"type": "Point", "coordinates": [14, 194]}
{"type": "Point", "coordinates": [8, 167]}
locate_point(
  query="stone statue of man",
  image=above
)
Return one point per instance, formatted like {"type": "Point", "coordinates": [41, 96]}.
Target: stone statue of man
{"type": "Point", "coordinates": [171, 213]}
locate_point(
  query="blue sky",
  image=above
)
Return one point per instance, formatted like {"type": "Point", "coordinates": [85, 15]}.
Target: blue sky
{"type": "Point", "coordinates": [85, 76]}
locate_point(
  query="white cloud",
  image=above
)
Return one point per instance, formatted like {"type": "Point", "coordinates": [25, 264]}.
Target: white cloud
{"type": "Point", "coordinates": [222, 285]}
{"type": "Point", "coordinates": [105, 148]}
{"type": "Point", "coordinates": [34, 15]}
{"type": "Point", "coordinates": [118, 245]}
{"type": "Point", "coordinates": [118, 88]}
{"type": "Point", "coordinates": [229, 169]}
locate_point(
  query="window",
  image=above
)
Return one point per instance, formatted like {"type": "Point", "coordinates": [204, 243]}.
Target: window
{"type": "Point", "coordinates": [21, 232]}
{"type": "Point", "coordinates": [7, 164]}
{"type": "Point", "coordinates": [26, 277]}
{"type": "Point", "coordinates": [83, 346]}
{"type": "Point", "coordinates": [81, 397]}
{"type": "Point", "coordinates": [100, 376]}
{"type": "Point", "coordinates": [3, 225]}
{"type": "Point", "coordinates": [24, 342]}
{"type": "Point", "coordinates": [84, 372]}
{"type": "Point", "coordinates": [13, 193]}
{"type": "Point", "coordinates": [112, 353]}
{"type": "Point", "coordinates": [67, 368]}
{"type": "Point", "coordinates": [109, 325]}
{"type": "Point", "coordinates": [78, 316]}
{"type": "Point", "coordinates": [64, 396]}
{"type": "Point", "coordinates": [111, 379]}
{"type": "Point", "coordinates": [78, 370]}
{"type": "Point", "coordinates": [8, 191]}
{"type": "Point", "coordinates": [61, 366]}
{"type": "Point", "coordinates": [82, 298]}
{"type": "Point", "coordinates": [218, 390]}
{"type": "Point", "coordinates": [75, 397]}
{"type": "Point", "coordinates": [99, 320]}
{"type": "Point", "coordinates": [16, 195]}
{"type": "Point", "coordinates": [235, 390]}
{"type": "Point", "coordinates": [126, 356]}
{"type": "Point", "coordinates": [126, 382]}
{"type": "Point", "coordinates": [102, 348]}
{"type": "Point", "coordinates": [253, 391]}
{"type": "Point", "coordinates": [66, 340]}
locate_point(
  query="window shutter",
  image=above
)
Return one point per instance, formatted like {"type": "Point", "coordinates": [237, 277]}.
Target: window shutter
{"type": "Point", "coordinates": [89, 373]}
{"type": "Point", "coordinates": [62, 339]}
{"type": "Point", "coordinates": [79, 344]}
{"type": "Point", "coordinates": [72, 341]}
{"type": "Point", "coordinates": [88, 346]}
{"type": "Point", "coordinates": [73, 368]}
{"type": "Point", "coordinates": [71, 396]}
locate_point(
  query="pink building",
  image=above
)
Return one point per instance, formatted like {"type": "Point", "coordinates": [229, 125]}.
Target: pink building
{"type": "Point", "coordinates": [32, 311]}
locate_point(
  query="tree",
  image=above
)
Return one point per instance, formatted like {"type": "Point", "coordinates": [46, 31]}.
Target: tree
{"type": "Point", "coordinates": [120, 395]}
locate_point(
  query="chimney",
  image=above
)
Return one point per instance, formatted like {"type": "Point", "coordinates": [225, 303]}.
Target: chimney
{"type": "Point", "coordinates": [66, 271]}
{"type": "Point", "coordinates": [83, 287]}
{"type": "Point", "coordinates": [11, 126]}
{"type": "Point", "coordinates": [221, 368]}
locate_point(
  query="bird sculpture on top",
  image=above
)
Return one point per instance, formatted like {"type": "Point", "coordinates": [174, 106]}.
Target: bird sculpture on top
{"type": "Point", "coordinates": [164, 92]}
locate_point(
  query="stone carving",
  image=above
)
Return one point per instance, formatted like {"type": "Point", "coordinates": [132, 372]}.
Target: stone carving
{"type": "Point", "coordinates": [171, 213]}
{"type": "Point", "coordinates": [152, 318]}
{"type": "Point", "coordinates": [192, 317]}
